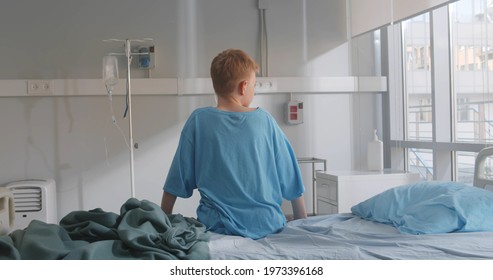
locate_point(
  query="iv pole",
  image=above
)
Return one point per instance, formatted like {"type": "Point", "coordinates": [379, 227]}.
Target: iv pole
{"type": "Point", "coordinates": [128, 55]}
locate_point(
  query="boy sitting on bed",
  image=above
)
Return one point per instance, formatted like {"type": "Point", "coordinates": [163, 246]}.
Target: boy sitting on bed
{"type": "Point", "coordinates": [237, 157]}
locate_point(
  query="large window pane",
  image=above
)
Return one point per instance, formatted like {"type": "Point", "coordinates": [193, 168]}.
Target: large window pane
{"type": "Point", "coordinates": [417, 75]}
{"type": "Point", "coordinates": [465, 166]}
{"type": "Point", "coordinates": [472, 67]}
{"type": "Point", "coordinates": [421, 161]}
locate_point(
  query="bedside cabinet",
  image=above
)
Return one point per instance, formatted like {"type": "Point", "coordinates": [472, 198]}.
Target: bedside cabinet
{"type": "Point", "coordinates": [338, 191]}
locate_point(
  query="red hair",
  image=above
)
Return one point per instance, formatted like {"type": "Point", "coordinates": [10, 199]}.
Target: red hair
{"type": "Point", "coordinates": [228, 68]}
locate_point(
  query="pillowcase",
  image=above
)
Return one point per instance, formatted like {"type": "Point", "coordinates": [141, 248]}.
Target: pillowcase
{"type": "Point", "coordinates": [431, 207]}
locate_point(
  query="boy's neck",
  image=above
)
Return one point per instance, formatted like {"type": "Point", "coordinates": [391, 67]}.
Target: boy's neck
{"type": "Point", "coordinates": [231, 105]}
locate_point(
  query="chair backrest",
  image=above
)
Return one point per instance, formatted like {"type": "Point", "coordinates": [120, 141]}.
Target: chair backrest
{"type": "Point", "coordinates": [483, 178]}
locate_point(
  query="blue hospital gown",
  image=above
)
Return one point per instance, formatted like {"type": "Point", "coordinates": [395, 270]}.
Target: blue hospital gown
{"type": "Point", "coordinates": [243, 166]}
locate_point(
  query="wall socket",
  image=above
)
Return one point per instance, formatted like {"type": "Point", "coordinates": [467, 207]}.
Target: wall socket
{"type": "Point", "coordinates": [40, 87]}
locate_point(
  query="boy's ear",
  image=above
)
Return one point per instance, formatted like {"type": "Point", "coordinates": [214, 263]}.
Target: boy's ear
{"type": "Point", "coordinates": [243, 86]}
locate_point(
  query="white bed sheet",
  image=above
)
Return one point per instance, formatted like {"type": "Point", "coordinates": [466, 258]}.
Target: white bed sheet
{"type": "Point", "coordinates": [347, 237]}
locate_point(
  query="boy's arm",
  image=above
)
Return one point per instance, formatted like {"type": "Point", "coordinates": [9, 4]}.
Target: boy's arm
{"type": "Point", "coordinates": [167, 202]}
{"type": "Point", "coordinates": [298, 205]}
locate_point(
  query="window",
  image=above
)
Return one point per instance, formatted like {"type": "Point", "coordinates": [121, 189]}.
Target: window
{"type": "Point", "coordinates": [416, 41]}
{"type": "Point", "coordinates": [470, 26]}
{"type": "Point", "coordinates": [417, 93]}
{"type": "Point", "coordinates": [444, 92]}
{"type": "Point", "coordinates": [465, 166]}
{"type": "Point", "coordinates": [464, 110]}
{"type": "Point", "coordinates": [421, 161]}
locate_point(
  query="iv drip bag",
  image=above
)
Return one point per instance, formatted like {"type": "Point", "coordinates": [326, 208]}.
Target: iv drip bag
{"type": "Point", "coordinates": [110, 71]}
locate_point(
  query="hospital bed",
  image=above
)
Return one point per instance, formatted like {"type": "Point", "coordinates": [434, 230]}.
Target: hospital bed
{"type": "Point", "coordinates": [423, 220]}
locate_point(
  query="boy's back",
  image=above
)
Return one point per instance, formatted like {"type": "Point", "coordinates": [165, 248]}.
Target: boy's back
{"type": "Point", "coordinates": [240, 169]}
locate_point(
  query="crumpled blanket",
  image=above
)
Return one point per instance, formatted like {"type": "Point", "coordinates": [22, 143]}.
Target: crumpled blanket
{"type": "Point", "coordinates": [141, 231]}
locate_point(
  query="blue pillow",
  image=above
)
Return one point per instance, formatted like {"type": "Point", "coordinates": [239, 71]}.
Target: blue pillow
{"type": "Point", "coordinates": [431, 207]}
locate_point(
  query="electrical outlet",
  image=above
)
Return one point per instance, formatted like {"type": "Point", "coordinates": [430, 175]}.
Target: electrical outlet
{"type": "Point", "coordinates": [40, 87]}
{"type": "Point", "coordinates": [265, 84]}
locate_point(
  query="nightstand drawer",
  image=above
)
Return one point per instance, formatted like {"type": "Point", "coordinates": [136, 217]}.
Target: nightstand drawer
{"type": "Point", "coordinates": [327, 190]}
{"type": "Point", "coordinates": [326, 207]}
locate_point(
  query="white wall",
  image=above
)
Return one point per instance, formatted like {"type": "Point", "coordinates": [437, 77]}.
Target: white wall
{"type": "Point", "coordinates": [72, 139]}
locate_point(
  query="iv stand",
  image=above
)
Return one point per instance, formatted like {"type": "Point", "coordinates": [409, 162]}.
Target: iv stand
{"type": "Point", "coordinates": [128, 55]}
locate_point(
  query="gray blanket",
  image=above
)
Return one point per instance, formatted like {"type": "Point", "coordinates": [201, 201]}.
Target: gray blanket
{"type": "Point", "coordinates": [141, 231]}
